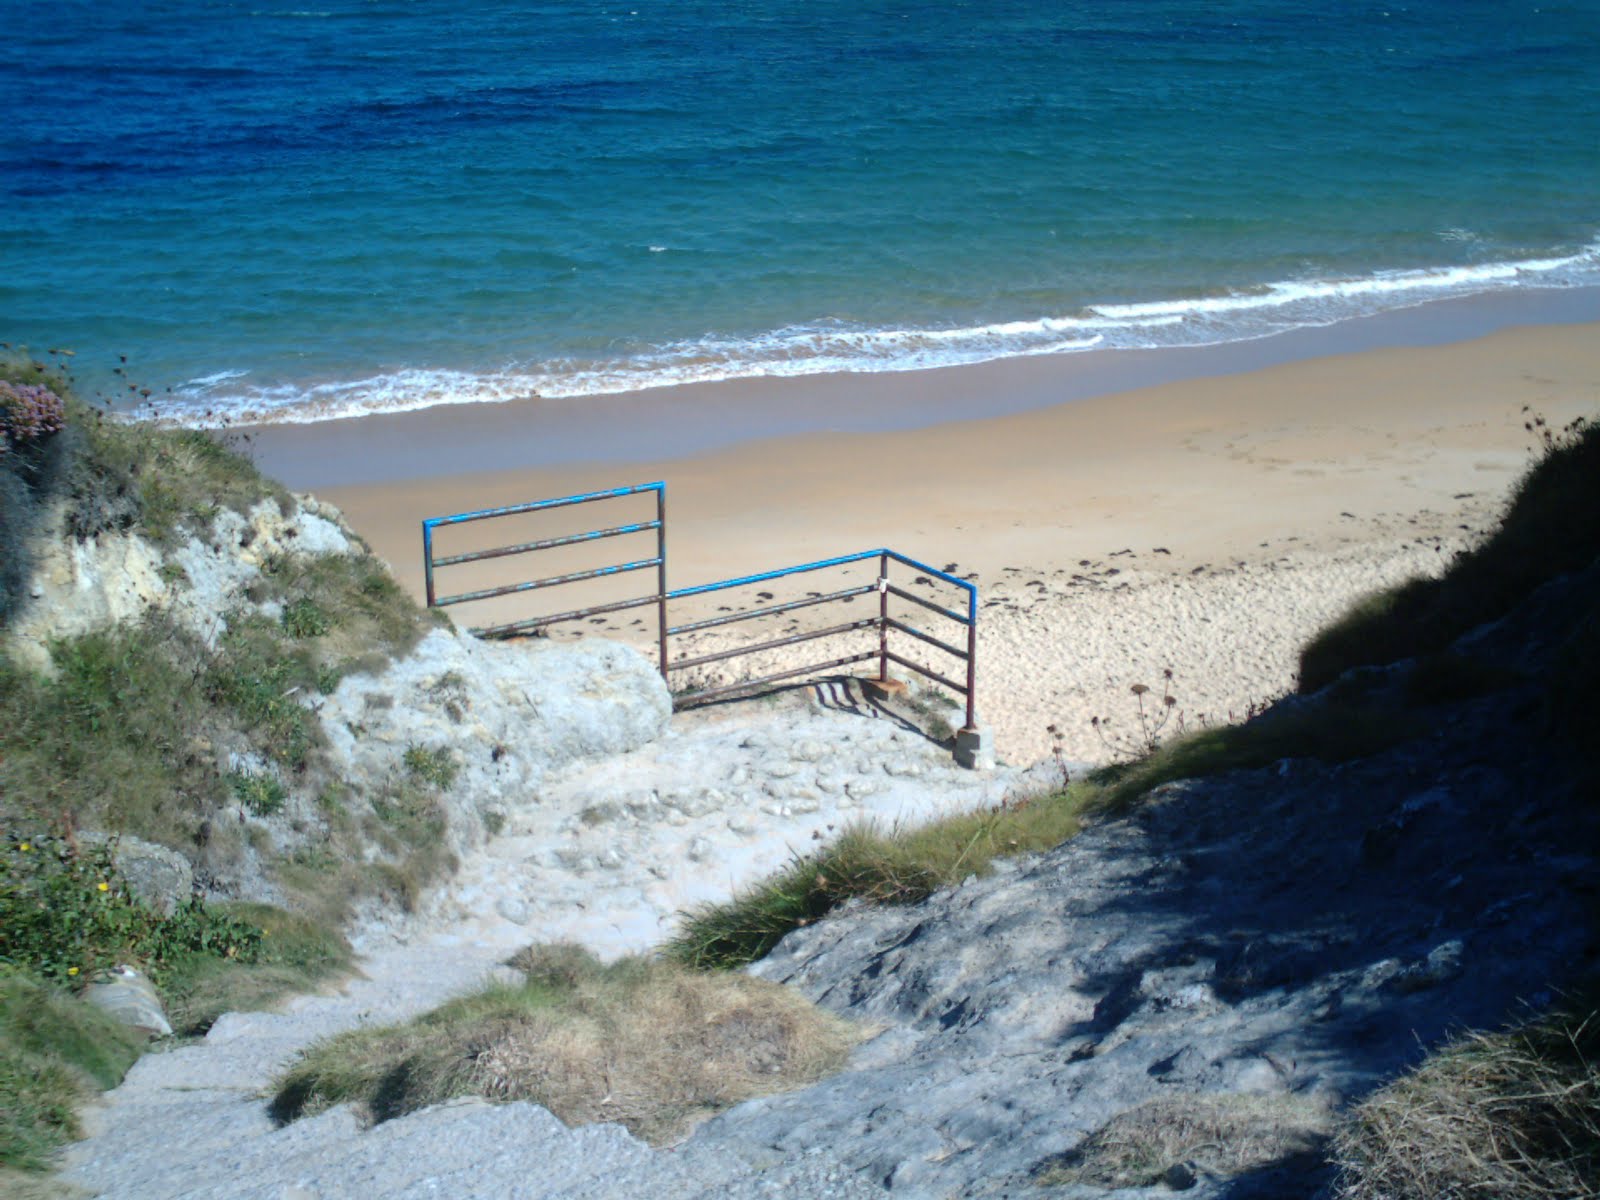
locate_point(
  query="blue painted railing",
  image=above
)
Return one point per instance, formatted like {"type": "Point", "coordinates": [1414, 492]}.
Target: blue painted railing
{"type": "Point", "coordinates": [884, 623]}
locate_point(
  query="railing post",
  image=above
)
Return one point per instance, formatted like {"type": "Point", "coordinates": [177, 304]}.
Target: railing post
{"type": "Point", "coordinates": [972, 659]}
{"type": "Point", "coordinates": [661, 577]}
{"type": "Point", "coordinates": [883, 617]}
{"type": "Point", "coordinates": [427, 560]}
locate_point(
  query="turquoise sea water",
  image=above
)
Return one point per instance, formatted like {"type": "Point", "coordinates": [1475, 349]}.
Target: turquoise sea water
{"type": "Point", "coordinates": [293, 214]}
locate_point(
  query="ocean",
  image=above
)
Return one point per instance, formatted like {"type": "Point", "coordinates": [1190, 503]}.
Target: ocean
{"type": "Point", "coordinates": [298, 214]}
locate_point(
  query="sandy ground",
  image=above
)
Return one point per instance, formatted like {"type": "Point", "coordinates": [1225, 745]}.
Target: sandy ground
{"type": "Point", "coordinates": [1205, 527]}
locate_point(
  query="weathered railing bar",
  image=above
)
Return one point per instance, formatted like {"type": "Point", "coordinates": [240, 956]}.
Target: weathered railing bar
{"type": "Point", "coordinates": [767, 610]}
{"type": "Point", "coordinates": [925, 637]}
{"type": "Point", "coordinates": [922, 670]}
{"type": "Point", "coordinates": [882, 621]}
{"type": "Point", "coordinates": [546, 544]}
{"type": "Point", "coordinates": [764, 576]}
{"type": "Point", "coordinates": [513, 628]}
{"type": "Point", "coordinates": [928, 604]}
{"type": "Point", "coordinates": [965, 585]}
{"type": "Point", "coordinates": [553, 581]}
{"type": "Point", "coordinates": [694, 698]}
{"type": "Point", "coordinates": [512, 510]}
{"type": "Point", "coordinates": [774, 644]}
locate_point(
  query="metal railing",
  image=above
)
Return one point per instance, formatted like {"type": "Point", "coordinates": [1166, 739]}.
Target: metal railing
{"type": "Point", "coordinates": [523, 628]}
{"type": "Point", "coordinates": [883, 621]}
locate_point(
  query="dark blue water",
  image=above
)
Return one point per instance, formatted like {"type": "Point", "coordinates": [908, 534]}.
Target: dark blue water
{"type": "Point", "coordinates": [367, 206]}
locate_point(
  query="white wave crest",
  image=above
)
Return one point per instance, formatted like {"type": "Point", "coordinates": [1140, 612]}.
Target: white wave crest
{"type": "Point", "coordinates": [231, 397]}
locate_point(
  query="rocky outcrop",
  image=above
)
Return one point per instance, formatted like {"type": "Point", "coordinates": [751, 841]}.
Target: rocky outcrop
{"type": "Point", "coordinates": [1260, 948]}
{"type": "Point", "coordinates": [479, 724]}
{"type": "Point", "coordinates": [497, 717]}
{"type": "Point", "coordinates": [116, 577]}
{"type": "Point", "coordinates": [160, 877]}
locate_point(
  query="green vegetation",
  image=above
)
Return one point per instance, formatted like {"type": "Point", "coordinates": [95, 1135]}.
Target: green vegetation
{"type": "Point", "coordinates": [1334, 732]}
{"type": "Point", "coordinates": [113, 475]}
{"type": "Point", "coordinates": [900, 866]}
{"type": "Point", "coordinates": [66, 912]}
{"type": "Point", "coordinates": [261, 794]}
{"type": "Point", "coordinates": [1552, 526]}
{"type": "Point", "coordinates": [113, 740]}
{"type": "Point", "coordinates": [294, 954]}
{"type": "Point", "coordinates": [124, 734]}
{"type": "Point", "coordinates": [436, 767]}
{"type": "Point", "coordinates": [642, 1042]}
{"type": "Point", "coordinates": [53, 1052]}
{"type": "Point", "coordinates": [1514, 1115]}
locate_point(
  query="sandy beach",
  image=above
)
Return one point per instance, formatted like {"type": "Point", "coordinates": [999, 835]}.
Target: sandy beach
{"type": "Point", "coordinates": [1204, 526]}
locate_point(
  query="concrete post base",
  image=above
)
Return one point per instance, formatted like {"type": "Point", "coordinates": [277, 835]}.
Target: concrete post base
{"type": "Point", "coordinates": [879, 690]}
{"type": "Point", "coordinates": [975, 748]}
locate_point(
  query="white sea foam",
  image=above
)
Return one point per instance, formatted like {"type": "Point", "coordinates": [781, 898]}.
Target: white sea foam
{"type": "Point", "coordinates": [232, 397]}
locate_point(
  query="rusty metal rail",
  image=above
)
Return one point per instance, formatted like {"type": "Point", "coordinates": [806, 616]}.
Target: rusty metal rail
{"type": "Point", "coordinates": [523, 628]}
{"type": "Point", "coordinates": [883, 622]}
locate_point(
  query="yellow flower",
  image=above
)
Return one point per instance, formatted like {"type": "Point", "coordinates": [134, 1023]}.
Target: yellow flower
{"type": "Point", "coordinates": [72, 970]}
{"type": "Point", "coordinates": [104, 886]}
{"type": "Point", "coordinates": [25, 847]}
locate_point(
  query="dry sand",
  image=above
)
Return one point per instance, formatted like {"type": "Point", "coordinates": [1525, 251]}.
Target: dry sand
{"type": "Point", "coordinates": [1205, 527]}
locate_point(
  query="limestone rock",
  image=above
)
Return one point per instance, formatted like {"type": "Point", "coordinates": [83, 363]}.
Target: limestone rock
{"type": "Point", "coordinates": [157, 875]}
{"type": "Point", "coordinates": [131, 998]}
{"type": "Point", "coordinates": [117, 577]}
{"type": "Point", "coordinates": [507, 713]}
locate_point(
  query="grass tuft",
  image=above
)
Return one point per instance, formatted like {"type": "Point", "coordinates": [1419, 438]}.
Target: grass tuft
{"type": "Point", "coordinates": [898, 866]}
{"type": "Point", "coordinates": [1223, 1134]}
{"type": "Point", "coordinates": [296, 954]}
{"type": "Point", "coordinates": [644, 1043]}
{"type": "Point", "coordinates": [434, 767]}
{"type": "Point", "coordinates": [1514, 1115]}
{"type": "Point", "coordinates": [54, 1051]}
{"type": "Point", "coordinates": [906, 865]}
{"type": "Point", "coordinates": [1333, 732]}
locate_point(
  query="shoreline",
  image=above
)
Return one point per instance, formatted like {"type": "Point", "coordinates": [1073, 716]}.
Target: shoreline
{"type": "Point", "coordinates": [687, 420]}
{"type": "Point", "coordinates": [1205, 526]}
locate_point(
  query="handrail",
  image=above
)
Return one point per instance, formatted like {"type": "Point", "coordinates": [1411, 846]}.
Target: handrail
{"type": "Point", "coordinates": [516, 628]}
{"type": "Point", "coordinates": [882, 622]}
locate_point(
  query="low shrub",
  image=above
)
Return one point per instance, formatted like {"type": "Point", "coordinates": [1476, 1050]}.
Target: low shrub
{"type": "Point", "coordinates": [113, 739]}
{"type": "Point", "coordinates": [644, 1043]}
{"type": "Point", "coordinates": [295, 955]}
{"type": "Point", "coordinates": [435, 767]}
{"type": "Point", "coordinates": [262, 795]}
{"type": "Point", "coordinates": [66, 912]}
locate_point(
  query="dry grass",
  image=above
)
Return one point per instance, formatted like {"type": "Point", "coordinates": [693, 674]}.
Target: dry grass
{"type": "Point", "coordinates": [1225, 1135]}
{"type": "Point", "coordinates": [1513, 1116]}
{"type": "Point", "coordinates": [644, 1043]}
